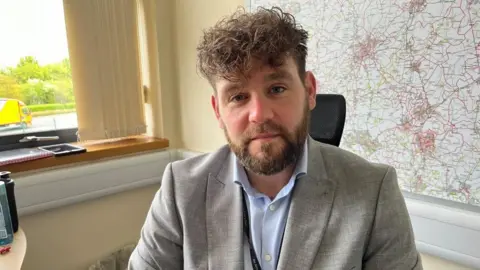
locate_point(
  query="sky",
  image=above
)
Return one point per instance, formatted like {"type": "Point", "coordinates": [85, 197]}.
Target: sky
{"type": "Point", "coordinates": [32, 27]}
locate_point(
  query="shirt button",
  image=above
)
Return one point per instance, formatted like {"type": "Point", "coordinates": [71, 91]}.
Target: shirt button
{"type": "Point", "coordinates": [268, 258]}
{"type": "Point", "coordinates": [272, 207]}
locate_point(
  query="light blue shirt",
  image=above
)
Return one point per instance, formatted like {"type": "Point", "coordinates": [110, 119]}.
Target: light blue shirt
{"type": "Point", "coordinates": [268, 218]}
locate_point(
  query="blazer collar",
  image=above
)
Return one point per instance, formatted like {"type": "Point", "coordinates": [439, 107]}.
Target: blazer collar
{"type": "Point", "coordinates": [309, 213]}
{"type": "Point", "coordinates": [223, 202]}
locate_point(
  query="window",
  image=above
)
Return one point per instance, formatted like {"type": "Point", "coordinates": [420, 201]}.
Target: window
{"type": "Point", "coordinates": [36, 91]}
{"type": "Point", "coordinates": [71, 69]}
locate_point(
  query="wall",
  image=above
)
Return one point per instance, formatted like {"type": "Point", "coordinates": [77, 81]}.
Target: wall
{"type": "Point", "coordinates": [200, 131]}
{"type": "Point", "coordinates": [74, 237]}
{"type": "Point", "coordinates": [434, 263]}
{"type": "Point", "coordinates": [169, 96]}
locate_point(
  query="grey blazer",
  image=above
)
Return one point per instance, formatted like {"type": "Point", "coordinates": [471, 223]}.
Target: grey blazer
{"type": "Point", "coordinates": [346, 213]}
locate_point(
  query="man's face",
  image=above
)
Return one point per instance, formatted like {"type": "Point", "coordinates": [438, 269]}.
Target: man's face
{"type": "Point", "coordinates": [265, 118]}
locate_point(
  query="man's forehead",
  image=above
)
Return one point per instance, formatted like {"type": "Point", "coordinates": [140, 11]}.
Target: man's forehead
{"type": "Point", "coordinates": [266, 74]}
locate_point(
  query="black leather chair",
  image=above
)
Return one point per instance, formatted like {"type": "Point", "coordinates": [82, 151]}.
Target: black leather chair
{"type": "Point", "coordinates": [327, 119]}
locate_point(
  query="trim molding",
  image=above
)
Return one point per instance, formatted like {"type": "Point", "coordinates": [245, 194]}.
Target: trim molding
{"type": "Point", "coordinates": [60, 187]}
{"type": "Point", "coordinates": [446, 232]}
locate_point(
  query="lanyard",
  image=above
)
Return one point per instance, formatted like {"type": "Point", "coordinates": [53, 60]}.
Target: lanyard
{"type": "Point", "coordinates": [246, 229]}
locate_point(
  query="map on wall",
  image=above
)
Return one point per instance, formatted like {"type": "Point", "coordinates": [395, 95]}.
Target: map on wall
{"type": "Point", "coordinates": [410, 72]}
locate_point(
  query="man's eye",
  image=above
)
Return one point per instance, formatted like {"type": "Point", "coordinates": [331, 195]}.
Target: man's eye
{"type": "Point", "coordinates": [277, 90]}
{"type": "Point", "coordinates": [237, 98]}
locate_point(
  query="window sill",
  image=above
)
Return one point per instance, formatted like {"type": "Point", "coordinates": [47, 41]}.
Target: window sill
{"type": "Point", "coordinates": [98, 150]}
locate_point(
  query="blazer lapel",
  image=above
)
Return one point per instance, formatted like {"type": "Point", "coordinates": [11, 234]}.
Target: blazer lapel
{"type": "Point", "coordinates": [224, 220]}
{"type": "Point", "coordinates": [309, 213]}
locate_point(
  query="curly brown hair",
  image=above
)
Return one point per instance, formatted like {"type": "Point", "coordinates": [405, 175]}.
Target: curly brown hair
{"type": "Point", "coordinates": [267, 36]}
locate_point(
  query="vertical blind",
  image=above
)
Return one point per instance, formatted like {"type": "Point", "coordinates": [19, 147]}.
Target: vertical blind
{"type": "Point", "coordinates": [103, 42]}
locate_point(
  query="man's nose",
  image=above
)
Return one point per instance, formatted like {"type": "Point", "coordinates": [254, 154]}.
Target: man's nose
{"type": "Point", "coordinates": [260, 110]}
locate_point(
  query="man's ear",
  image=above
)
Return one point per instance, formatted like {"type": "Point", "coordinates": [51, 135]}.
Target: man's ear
{"type": "Point", "coordinates": [214, 102]}
{"type": "Point", "coordinates": [311, 87]}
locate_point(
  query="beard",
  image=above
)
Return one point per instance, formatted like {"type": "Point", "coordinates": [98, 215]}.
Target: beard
{"type": "Point", "coordinates": [276, 155]}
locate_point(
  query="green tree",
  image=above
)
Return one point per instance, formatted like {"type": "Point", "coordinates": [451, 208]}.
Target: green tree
{"type": "Point", "coordinates": [63, 90]}
{"type": "Point", "coordinates": [38, 92]}
{"type": "Point", "coordinates": [59, 71]}
{"type": "Point", "coordinates": [36, 84]}
{"type": "Point", "coordinates": [28, 68]}
{"type": "Point", "coordinates": [61, 81]}
{"type": "Point", "coordinates": [9, 87]}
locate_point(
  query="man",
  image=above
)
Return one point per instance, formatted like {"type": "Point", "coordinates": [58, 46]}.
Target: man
{"type": "Point", "coordinates": [272, 198]}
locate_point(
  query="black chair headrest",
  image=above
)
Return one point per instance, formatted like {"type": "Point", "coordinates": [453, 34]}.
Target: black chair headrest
{"type": "Point", "coordinates": [328, 119]}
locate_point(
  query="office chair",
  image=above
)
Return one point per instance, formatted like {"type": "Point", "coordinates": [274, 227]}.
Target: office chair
{"type": "Point", "coordinates": [327, 119]}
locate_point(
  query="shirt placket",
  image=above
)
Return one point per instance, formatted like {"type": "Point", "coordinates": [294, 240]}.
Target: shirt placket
{"type": "Point", "coordinates": [267, 259]}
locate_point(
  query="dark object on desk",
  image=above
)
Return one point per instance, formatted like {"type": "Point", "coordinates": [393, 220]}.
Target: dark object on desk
{"type": "Point", "coordinates": [64, 149]}
{"type": "Point", "coordinates": [327, 119]}
{"type": "Point", "coordinates": [12, 204]}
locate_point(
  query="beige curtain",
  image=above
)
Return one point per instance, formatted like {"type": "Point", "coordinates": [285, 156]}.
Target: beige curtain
{"type": "Point", "coordinates": [103, 42]}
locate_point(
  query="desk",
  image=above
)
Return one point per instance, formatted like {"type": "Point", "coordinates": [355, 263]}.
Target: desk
{"type": "Point", "coordinates": [14, 259]}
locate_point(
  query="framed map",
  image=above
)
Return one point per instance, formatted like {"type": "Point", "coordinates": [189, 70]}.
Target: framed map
{"type": "Point", "coordinates": [410, 72]}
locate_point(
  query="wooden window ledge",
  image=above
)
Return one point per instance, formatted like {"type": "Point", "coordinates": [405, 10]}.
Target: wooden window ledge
{"type": "Point", "coordinates": [95, 151]}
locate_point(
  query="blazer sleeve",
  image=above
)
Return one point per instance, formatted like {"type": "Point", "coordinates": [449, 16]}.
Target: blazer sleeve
{"type": "Point", "coordinates": [391, 244]}
{"type": "Point", "coordinates": [161, 238]}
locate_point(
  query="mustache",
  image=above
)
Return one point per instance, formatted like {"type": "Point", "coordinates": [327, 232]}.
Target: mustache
{"type": "Point", "coordinates": [267, 127]}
